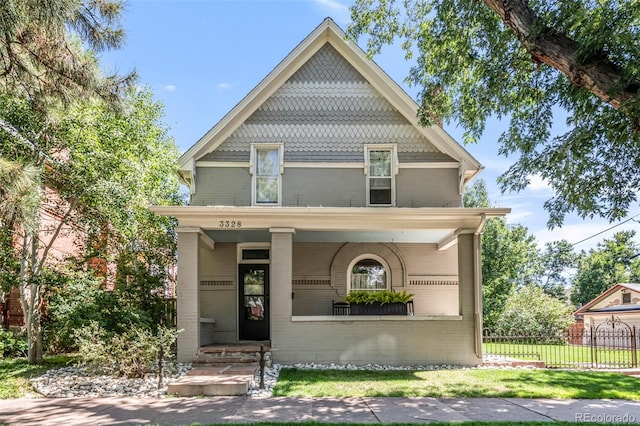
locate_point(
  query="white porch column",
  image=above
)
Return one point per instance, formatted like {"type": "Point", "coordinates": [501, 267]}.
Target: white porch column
{"type": "Point", "coordinates": [281, 279]}
{"type": "Point", "coordinates": [188, 304]}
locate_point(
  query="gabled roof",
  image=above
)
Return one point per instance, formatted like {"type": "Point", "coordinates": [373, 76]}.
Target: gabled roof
{"type": "Point", "coordinates": [588, 307]}
{"type": "Point", "coordinates": [326, 32]}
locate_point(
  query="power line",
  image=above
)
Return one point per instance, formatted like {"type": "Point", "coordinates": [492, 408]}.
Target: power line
{"type": "Point", "coordinates": [608, 229]}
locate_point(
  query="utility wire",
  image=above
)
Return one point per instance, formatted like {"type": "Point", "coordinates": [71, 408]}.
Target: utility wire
{"type": "Point", "coordinates": [608, 229]}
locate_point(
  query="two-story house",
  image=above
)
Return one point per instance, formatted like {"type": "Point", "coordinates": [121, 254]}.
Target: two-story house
{"type": "Point", "coordinates": [321, 181]}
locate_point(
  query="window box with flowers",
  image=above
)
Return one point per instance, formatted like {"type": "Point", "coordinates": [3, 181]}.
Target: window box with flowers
{"type": "Point", "coordinates": [383, 302]}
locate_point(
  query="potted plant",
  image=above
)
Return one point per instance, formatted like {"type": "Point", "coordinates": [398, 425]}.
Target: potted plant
{"type": "Point", "coordinates": [384, 302]}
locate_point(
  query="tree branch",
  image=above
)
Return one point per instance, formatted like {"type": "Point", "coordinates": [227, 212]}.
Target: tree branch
{"type": "Point", "coordinates": [598, 74]}
{"type": "Point", "coordinates": [15, 133]}
{"type": "Point", "coordinates": [62, 222]}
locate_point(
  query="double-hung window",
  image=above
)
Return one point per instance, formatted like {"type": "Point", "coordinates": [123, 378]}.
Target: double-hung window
{"type": "Point", "coordinates": [381, 168]}
{"type": "Point", "coordinates": [266, 170]}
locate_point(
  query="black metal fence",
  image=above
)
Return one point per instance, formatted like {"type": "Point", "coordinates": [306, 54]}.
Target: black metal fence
{"type": "Point", "coordinates": [610, 345]}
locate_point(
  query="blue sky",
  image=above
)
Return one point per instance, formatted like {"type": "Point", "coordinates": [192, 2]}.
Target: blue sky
{"type": "Point", "coordinates": [201, 57]}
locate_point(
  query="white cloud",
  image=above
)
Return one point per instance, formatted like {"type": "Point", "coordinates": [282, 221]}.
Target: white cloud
{"type": "Point", "coordinates": [536, 183]}
{"type": "Point", "coordinates": [170, 88]}
{"type": "Point", "coordinates": [224, 86]}
{"type": "Point", "coordinates": [339, 12]}
{"type": "Point", "coordinates": [516, 216]}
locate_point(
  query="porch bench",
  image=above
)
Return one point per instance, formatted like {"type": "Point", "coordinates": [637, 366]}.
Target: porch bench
{"type": "Point", "coordinates": [341, 308]}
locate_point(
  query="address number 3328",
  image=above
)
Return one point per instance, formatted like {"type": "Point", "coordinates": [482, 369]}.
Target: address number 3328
{"type": "Point", "coordinates": [229, 224]}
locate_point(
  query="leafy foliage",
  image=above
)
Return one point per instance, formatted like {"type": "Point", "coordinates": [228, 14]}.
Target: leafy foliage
{"type": "Point", "coordinates": [131, 353]}
{"type": "Point", "coordinates": [613, 261]}
{"type": "Point", "coordinates": [530, 63]}
{"type": "Point", "coordinates": [12, 345]}
{"type": "Point", "coordinates": [114, 163]}
{"type": "Point", "coordinates": [383, 297]}
{"type": "Point", "coordinates": [78, 299]}
{"type": "Point", "coordinates": [530, 311]}
{"type": "Point", "coordinates": [42, 50]}
{"type": "Point", "coordinates": [510, 257]}
{"type": "Point", "coordinates": [557, 258]}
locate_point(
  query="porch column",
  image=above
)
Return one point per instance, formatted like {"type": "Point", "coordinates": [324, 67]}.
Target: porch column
{"type": "Point", "coordinates": [188, 303]}
{"type": "Point", "coordinates": [470, 293]}
{"type": "Point", "coordinates": [281, 278]}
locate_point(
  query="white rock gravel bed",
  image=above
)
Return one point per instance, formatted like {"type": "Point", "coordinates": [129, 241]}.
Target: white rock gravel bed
{"type": "Point", "coordinates": [80, 382]}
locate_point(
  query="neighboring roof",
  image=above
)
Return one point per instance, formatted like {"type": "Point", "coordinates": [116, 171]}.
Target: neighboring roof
{"type": "Point", "coordinates": [326, 32]}
{"type": "Point", "coordinates": [627, 308]}
{"type": "Point", "coordinates": [635, 287]}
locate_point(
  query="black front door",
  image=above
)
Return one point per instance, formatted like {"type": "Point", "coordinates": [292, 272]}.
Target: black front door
{"type": "Point", "coordinates": [254, 301]}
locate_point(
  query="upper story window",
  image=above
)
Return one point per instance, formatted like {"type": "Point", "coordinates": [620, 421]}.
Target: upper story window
{"type": "Point", "coordinates": [381, 165]}
{"type": "Point", "coordinates": [626, 298]}
{"type": "Point", "coordinates": [368, 273]}
{"type": "Point", "coordinates": [266, 170]}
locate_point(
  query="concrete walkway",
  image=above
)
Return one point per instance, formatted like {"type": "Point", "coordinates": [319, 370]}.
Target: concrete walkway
{"type": "Point", "coordinates": [332, 410]}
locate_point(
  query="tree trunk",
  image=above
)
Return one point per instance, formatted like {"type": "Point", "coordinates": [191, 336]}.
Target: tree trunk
{"type": "Point", "coordinates": [597, 74]}
{"type": "Point", "coordinates": [30, 289]}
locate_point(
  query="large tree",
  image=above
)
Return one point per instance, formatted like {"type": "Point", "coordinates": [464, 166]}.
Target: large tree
{"type": "Point", "coordinates": [510, 258]}
{"type": "Point", "coordinates": [47, 62]}
{"type": "Point", "coordinates": [613, 261]}
{"type": "Point", "coordinates": [106, 167]}
{"type": "Point", "coordinates": [558, 260]}
{"type": "Point", "coordinates": [526, 62]}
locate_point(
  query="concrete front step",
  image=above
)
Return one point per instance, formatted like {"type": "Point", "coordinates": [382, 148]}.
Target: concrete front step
{"type": "Point", "coordinates": [232, 354]}
{"type": "Point", "coordinates": [219, 380]}
{"type": "Point", "coordinates": [221, 370]}
{"type": "Point", "coordinates": [230, 359]}
{"type": "Point", "coordinates": [233, 348]}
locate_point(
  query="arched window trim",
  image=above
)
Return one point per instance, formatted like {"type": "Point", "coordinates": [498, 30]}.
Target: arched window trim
{"type": "Point", "coordinates": [372, 257]}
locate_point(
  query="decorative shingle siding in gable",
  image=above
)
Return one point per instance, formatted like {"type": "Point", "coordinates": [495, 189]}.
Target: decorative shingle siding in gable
{"type": "Point", "coordinates": [326, 112]}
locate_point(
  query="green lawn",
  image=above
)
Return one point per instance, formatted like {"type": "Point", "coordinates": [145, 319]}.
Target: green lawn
{"type": "Point", "coordinates": [16, 372]}
{"type": "Point", "coordinates": [508, 383]}
{"type": "Point", "coordinates": [562, 355]}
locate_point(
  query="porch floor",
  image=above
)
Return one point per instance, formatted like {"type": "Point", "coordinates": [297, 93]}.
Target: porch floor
{"type": "Point", "coordinates": [221, 369]}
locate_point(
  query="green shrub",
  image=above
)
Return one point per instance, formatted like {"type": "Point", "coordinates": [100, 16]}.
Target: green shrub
{"type": "Point", "coordinates": [75, 299]}
{"type": "Point", "coordinates": [12, 345]}
{"type": "Point", "coordinates": [132, 353]}
{"type": "Point", "coordinates": [382, 297]}
{"type": "Point", "coordinates": [529, 311]}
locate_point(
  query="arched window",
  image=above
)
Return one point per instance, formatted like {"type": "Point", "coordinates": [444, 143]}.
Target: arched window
{"type": "Point", "coordinates": [368, 273]}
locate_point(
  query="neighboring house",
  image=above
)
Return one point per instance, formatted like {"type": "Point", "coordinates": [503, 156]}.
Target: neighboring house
{"type": "Point", "coordinates": [622, 301]}
{"type": "Point", "coordinates": [318, 182]}
{"type": "Point", "coordinates": [63, 241]}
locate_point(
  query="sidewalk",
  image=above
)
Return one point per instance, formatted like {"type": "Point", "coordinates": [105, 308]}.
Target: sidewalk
{"type": "Point", "coordinates": [332, 410]}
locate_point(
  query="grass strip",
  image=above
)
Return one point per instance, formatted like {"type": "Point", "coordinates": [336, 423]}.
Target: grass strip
{"type": "Point", "coordinates": [16, 372]}
{"type": "Point", "coordinates": [464, 383]}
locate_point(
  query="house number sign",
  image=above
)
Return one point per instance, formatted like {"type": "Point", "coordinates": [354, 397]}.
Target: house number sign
{"type": "Point", "coordinates": [229, 224]}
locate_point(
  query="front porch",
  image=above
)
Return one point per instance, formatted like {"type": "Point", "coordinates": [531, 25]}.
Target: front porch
{"type": "Point", "coordinates": [431, 253]}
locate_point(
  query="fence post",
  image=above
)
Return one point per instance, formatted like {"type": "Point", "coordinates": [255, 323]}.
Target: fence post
{"type": "Point", "coordinates": [634, 353]}
{"type": "Point", "coordinates": [592, 340]}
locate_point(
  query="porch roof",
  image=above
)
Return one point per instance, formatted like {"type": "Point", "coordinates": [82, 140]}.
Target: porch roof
{"type": "Point", "coordinates": [428, 224]}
